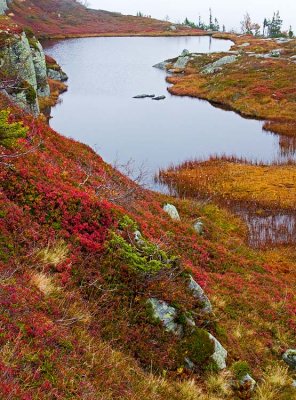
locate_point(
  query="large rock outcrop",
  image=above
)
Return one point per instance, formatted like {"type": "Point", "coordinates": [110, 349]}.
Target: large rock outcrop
{"type": "Point", "coordinates": [3, 6]}
{"type": "Point", "coordinates": [24, 65]}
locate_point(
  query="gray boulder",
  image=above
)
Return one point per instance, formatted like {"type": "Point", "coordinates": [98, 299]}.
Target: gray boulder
{"type": "Point", "coordinates": [247, 380]}
{"type": "Point", "coordinates": [198, 227]}
{"type": "Point", "coordinates": [172, 212]}
{"type": "Point", "coordinates": [290, 358]}
{"type": "Point", "coordinates": [199, 294]}
{"type": "Point", "coordinates": [173, 28]}
{"type": "Point", "coordinates": [185, 52]}
{"type": "Point", "coordinates": [217, 65]}
{"type": "Point", "coordinates": [181, 62]}
{"type": "Point", "coordinates": [162, 65]}
{"type": "Point", "coordinates": [275, 53]}
{"type": "Point", "coordinates": [166, 314]}
{"type": "Point", "coordinates": [3, 6]}
{"type": "Point", "coordinates": [220, 354]}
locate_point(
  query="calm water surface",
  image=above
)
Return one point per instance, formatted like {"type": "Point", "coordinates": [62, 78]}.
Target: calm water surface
{"type": "Point", "coordinates": [98, 109]}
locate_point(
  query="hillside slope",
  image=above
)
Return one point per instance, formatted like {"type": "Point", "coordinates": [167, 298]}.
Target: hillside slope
{"type": "Point", "coordinates": [69, 18]}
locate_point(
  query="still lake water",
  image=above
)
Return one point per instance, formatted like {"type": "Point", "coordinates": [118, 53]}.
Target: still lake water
{"type": "Point", "coordinates": [98, 109]}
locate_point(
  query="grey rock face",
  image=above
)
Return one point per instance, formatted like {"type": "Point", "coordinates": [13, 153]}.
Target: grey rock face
{"type": "Point", "coordinates": [290, 357]}
{"type": "Point", "coordinates": [166, 314]}
{"type": "Point", "coordinates": [199, 293]}
{"type": "Point", "coordinates": [216, 66]}
{"type": "Point", "coordinates": [173, 28]}
{"type": "Point", "coordinates": [220, 354]}
{"type": "Point", "coordinates": [3, 6]}
{"type": "Point", "coordinates": [40, 71]}
{"type": "Point", "coordinates": [19, 60]}
{"type": "Point", "coordinates": [172, 212]}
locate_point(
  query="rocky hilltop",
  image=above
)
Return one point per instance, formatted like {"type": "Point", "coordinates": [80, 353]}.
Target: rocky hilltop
{"type": "Point", "coordinates": [64, 18]}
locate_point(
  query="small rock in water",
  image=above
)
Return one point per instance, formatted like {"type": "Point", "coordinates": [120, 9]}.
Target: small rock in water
{"type": "Point", "coordinates": [143, 96]}
{"type": "Point", "coordinates": [158, 98]}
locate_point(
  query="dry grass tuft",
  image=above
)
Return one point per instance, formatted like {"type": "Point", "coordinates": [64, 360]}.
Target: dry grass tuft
{"type": "Point", "coordinates": [54, 254]}
{"type": "Point", "coordinates": [44, 283]}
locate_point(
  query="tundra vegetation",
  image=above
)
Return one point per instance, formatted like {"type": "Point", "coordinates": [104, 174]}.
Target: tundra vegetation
{"type": "Point", "coordinates": [84, 249]}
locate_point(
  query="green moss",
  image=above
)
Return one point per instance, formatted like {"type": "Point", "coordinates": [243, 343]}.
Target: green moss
{"type": "Point", "coordinates": [127, 223]}
{"type": "Point", "coordinates": [199, 348]}
{"type": "Point", "coordinates": [240, 369]}
{"type": "Point", "coordinates": [31, 94]}
{"type": "Point", "coordinates": [149, 258]}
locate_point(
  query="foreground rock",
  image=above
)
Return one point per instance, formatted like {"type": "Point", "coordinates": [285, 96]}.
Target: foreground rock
{"type": "Point", "coordinates": [189, 334]}
{"type": "Point", "coordinates": [220, 354]}
{"type": "Point", "coordinates": [290, 358]}
{"type": "Point", "coordinates": [248, 382]}
{"type": "Point", "coordinates": [217, 65]}
{"type": "Point", "coordinates": [199, 293]}
{"type": "Point", "coordinates": [172, 212]}
{"type": "Point", "coordinates": [166, 314]}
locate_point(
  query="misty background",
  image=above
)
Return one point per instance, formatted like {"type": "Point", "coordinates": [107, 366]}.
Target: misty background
{"type": "Point", "coordinates": [228, 12]}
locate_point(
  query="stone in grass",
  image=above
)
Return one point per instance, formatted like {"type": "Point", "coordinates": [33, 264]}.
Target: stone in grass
{"type": "Point", "coordinates": [172, 211]}
{"type": "Point", "coordinates": [216, 66]}
{"type": "Point", "coordinates": [248, 381]}
{"type": "Point", "coordinates": [198, 227]}
{"type": "Point", "coordinates": [166, 314]}
{"type": "Point", "coordinates": [200, 295]}
{"type": "Point", "coordinates": [290, 357]}
{"type": "Point", "coordinates": [220, 354]}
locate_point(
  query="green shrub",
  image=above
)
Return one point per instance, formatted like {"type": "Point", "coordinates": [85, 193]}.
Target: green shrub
{"type": "Point", "coordinates": [240, 369]}
{"type": "Point", "coordinates": [9, 132]}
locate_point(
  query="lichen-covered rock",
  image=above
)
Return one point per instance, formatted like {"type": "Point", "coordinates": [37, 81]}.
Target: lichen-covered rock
{"type": "Point", "coordinates": [162, 65]}
{"type": "Point", "coordinates": [172, 212]}
{"type": "Point", "coordinates": [200, 295]}
{"type": "Point", "coordinates": [181, 62]}
{"type": "Point", "coordinates": [290, 357]}
{"type": "Point", "coordinates": [216, 66]}
{"type": "Point", "coordinates": [40, 70]}
{"type": "Point", "coordinates": [18, 60]}
{"type": "Point", "coordinates": [166, 314]}
{"type": "Point", "coordinates": [249, 382]}
{"type": "Point", "coordinates": [185, 52]}
{"type": "Point", "coordinates": [220, 354]}
{"type": "Point", "coordinates": [3, 6]}
{"type": "Point", "coordinates": [57, 74]}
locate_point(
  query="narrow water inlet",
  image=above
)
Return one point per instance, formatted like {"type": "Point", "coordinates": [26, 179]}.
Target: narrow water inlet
{"type": "Point", "coordinates": [271, 230]}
